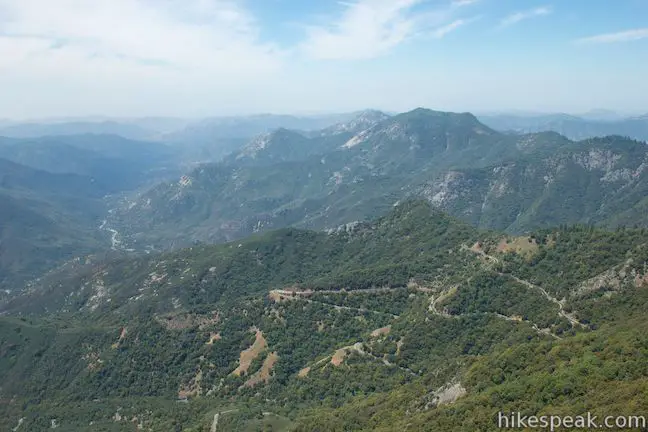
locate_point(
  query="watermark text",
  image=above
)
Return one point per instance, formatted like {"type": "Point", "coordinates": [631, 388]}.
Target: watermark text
{"type": "Point", "coordinates": [517, 420]}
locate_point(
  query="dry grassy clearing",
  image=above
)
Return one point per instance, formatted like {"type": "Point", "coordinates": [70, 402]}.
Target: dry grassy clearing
{"type": "Point", "coordinates": [264, 374]}
{"type": "Point", "coordinates": [251, 353]}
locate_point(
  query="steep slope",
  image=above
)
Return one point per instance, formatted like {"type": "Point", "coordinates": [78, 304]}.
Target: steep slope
{"type": "Point", "coordinates": [353, 178]}
{"type": "Point", "coordinates": [415, 318]}
{"type": "Point", "coordinates": [598, 181]}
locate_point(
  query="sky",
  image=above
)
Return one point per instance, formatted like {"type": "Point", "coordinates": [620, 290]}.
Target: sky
{"type": "Point", "coordinates": [196, 58]}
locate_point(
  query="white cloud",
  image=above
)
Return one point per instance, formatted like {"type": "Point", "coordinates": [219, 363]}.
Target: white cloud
{"type": "Point", "coordinates": [163, 31]}
{"type": "Point", "coordinates": [181, 57]}
{"type": "Point", "coordinates": [622, 36]}
{"type": "Point", "coordinates": [111, 49]}
{"type": "Point", "coordinates": [367, 29]}
{"type": "Point", "coordinates": [516, 17]}
{"type": "Point", "coordinates": [442, 31]}
{"type": "Point", "coordinates": [459, 3]}
{"type": "Point", "coordinates": [207, 57]}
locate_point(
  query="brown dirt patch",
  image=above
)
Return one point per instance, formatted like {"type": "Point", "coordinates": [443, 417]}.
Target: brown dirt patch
{"type": "Point", "coordinates": [122, 336]}
{"type": "Point", "coordinates": [304, 372]}
{"type": "Point", "coordinates": [477, 247]}
{"type": "Point", "coordinates": [264, 374]}
{"type": "Point", "coordinates": [213, 337]}
{"type": "Point", "coordinates": [519, 245]}
{"type": "Point", "coordinates": [275, 296]}
{"type": "Point", "coordinates": [384, 331]}
{"type": "Point", "coordinates": [338, 357]}
{"type": "Point", "coordinates": [641, 280]}
{"type": "Point", "coordinates": [251, 353]}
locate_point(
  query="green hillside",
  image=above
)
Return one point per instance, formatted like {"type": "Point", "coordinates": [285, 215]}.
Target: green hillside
{"type": "Point", "coordinates": [376, 325]}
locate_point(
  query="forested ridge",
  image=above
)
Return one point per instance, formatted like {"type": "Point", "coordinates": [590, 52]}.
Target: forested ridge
{"type": "Point", "coordinates": [362, 328]}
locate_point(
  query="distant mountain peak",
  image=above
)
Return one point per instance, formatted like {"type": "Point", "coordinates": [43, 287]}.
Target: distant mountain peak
{"type": "Point", "coordinates": [601, 115]}
{"type": "Point", "coordinates": [413, 126]}
{"type": "Point", "coordinates": [363, 120]}
{"type": "Point", "coordinates": [372, 115]}
{"type": "Point", "coordinates": [430, 113]}
{"type": "Point", "coordinates": [423, 110]}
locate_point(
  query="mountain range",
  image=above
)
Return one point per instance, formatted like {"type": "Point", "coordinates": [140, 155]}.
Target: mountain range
{"type": "Point", "coordinates": [319, 181]}
{"type": "Point", "coordinates": [37, 130]}
{"type": "Point", "coordinates": [372, 272]}
{"type": "Point", "coordinates": [116, 163]}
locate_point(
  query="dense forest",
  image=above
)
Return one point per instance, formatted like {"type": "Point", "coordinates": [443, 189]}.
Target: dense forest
{"type": "Point", "coordinates": [415, 320]}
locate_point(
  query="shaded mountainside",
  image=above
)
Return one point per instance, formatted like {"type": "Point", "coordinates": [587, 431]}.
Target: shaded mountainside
{"type": "Point", "coordinates": [52, 192]}
{"type": "Point", "coordinates": [114, 162]}
{"type": "Point", "coordinates": [493, 180]}
{"type": "Point", "coordinates": [45, 219]}
{"type": "Point", "coordinates": [36, 236]}
{"type": "Point", "coordinates": [415, 319]}
{"type": "Point", "coordinates": [37, 130]}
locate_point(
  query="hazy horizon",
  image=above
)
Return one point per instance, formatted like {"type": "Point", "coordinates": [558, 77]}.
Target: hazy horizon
{"type": "Point", "coordinates": [99, 118]}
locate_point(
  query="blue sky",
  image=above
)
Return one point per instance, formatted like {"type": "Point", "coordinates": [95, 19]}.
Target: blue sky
{"type": "Point", "coordinates": [216, 57]}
